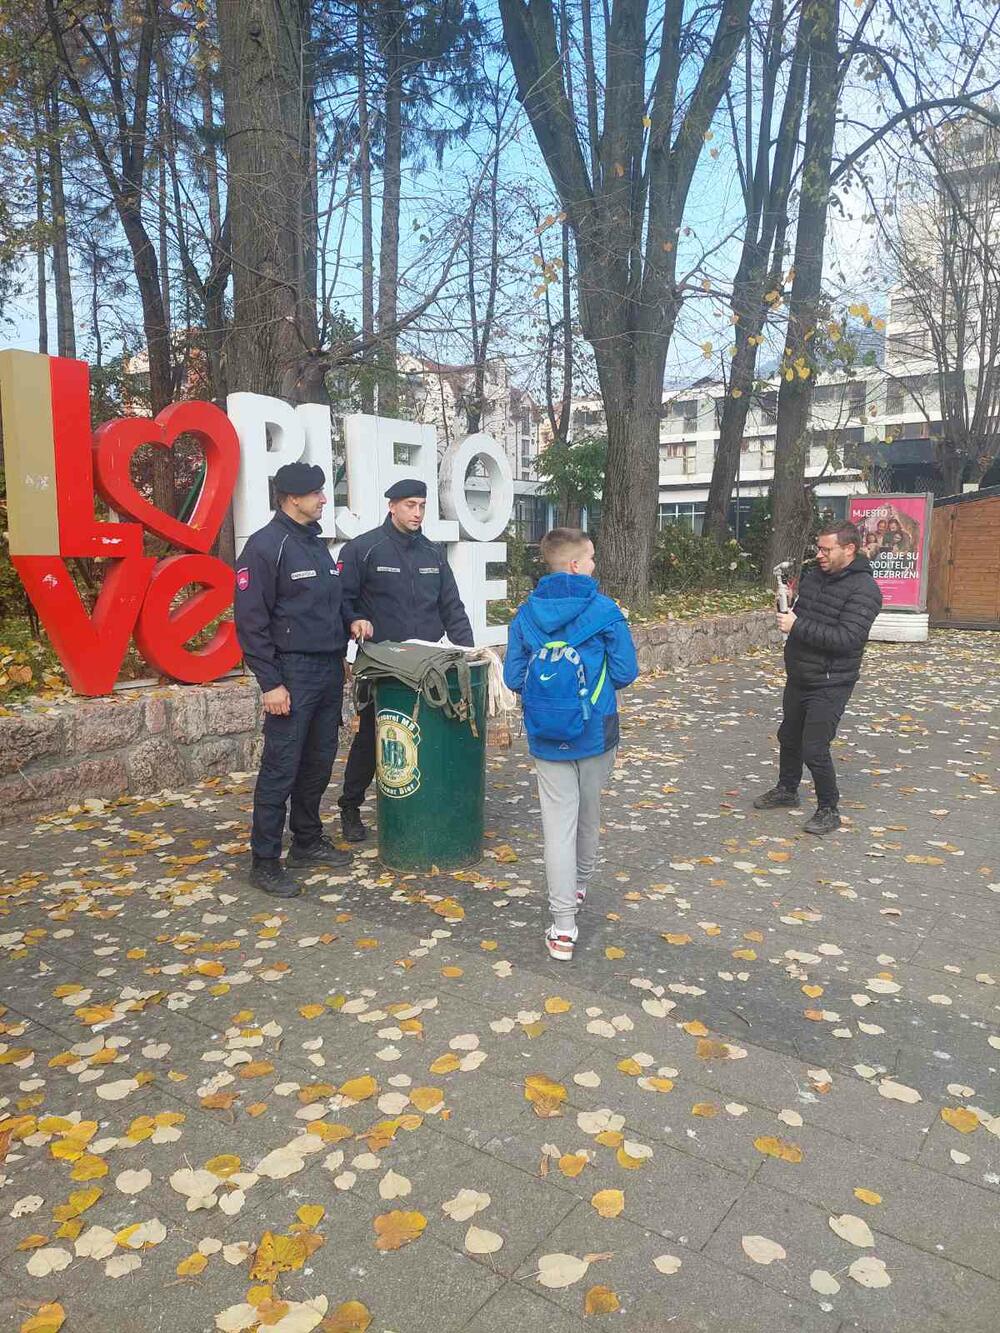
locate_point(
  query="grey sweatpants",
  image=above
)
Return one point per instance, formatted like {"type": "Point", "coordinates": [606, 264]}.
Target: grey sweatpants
{"type": "Point", "coordinates": [569, 792]}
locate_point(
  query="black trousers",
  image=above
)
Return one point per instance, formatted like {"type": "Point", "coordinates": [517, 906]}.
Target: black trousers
{"type": "Point", "coordinates": [299, 750]}
{"type": "Point", "coordinates": [360, 768]}
{"type": "Point", "coordinates": [808, 726]}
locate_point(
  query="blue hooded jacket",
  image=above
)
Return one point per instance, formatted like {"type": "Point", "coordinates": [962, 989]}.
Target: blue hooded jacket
{"type": "Point", "coordinates": [570, 607]}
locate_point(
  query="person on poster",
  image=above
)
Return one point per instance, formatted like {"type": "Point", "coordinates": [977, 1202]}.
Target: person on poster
{"type": "Point", "coordinates": [396, 585]}
{"type": "Point", "coordinates": [291, 628]}
{"type": "Point", "coordinates": [827, 629]}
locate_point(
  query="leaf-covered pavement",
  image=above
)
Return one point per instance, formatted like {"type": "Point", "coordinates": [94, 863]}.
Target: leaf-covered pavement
{"type": "Point", "coordinates": [764, 1096]}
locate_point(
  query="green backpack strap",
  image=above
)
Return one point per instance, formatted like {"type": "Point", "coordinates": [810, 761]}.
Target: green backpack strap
{"type": "Point", "coordinates": [600, 681]}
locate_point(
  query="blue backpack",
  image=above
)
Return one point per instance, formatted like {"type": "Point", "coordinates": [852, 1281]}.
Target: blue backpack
{"type": "Point", "coordinates": [557, 701]}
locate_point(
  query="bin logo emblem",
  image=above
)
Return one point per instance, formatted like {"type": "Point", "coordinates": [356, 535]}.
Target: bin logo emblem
{"type": "Point", "coordinates": [396, 751]}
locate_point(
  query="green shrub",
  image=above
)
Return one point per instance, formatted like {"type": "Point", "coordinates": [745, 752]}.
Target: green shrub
{"type": "Point", "coordinates": [683, 562]}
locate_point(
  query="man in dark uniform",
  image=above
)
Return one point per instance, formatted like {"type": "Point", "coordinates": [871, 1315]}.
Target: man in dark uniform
{"type": "Point", "coordinates": [396, 585]}
{"type": "Point", "coordinates": [291, 626]}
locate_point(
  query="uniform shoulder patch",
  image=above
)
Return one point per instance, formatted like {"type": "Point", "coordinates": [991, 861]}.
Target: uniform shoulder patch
{"type": "Point", "coordinates": [243, 578]}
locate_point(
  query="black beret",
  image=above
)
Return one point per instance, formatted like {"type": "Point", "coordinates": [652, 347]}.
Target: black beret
{"type": "Point", "coordinates": [407, 489]}
{"type": "Point", "coordinates": [299, 479]}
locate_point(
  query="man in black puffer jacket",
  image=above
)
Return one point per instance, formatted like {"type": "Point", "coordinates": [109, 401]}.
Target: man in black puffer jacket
{"type": "Point", "coordinates": [827, 629]}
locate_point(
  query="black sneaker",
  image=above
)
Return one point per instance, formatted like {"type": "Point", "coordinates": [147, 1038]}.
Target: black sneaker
{"type": "Point", "coordinates": [350, 822]}
{"type": "Point", "coordinates": [825, 820]}
{"type": "Point", "coordinates": [272, 877]}
{"type": "Point", "coordinates": [777, 798]}
{"type": "Point", "coordinates": [322, 853]}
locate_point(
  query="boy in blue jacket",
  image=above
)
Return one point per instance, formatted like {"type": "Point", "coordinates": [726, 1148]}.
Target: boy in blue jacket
{"type": "Point", "coordinates": [566, 612]}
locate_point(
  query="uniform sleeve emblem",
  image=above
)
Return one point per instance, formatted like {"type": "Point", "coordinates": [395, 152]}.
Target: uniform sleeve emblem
{"type": "Point", "coordinates": [243, 578]}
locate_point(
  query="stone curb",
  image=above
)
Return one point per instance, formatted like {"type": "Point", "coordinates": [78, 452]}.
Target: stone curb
{"type": "Point", "coordinates": [53, 753]}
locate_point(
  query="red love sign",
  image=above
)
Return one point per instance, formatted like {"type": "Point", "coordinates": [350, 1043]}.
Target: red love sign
{"type": "Point", "coordinates": [46, 419]}
{"type": "Point", "coordinates": [116, 442]}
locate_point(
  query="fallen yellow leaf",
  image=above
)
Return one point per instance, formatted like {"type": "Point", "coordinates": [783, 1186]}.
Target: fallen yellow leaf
{"type": "Point", "coordinates": [555, 1004]}
{"type": "Point", "coordinates": [960, 1118]}
{"type": "Point", "coordinates": [608, 1203]}
{"type": "Point", "coordinates": [359, 1089]}
{"type": "Point", "coordinates": [612, 952]}
{"type": "Point", "coordinates": [351, 1317]}
{"type": "Point", "coordinates": [544, 1094]}
{"type": "Point", "coordinates": [278, 1254]}
{"type": "Point", "coordinates": [47, 1318]}
{"type": "Point", "coordinates": [425, 1099]}
{"type": "Point", "coordinates": [397, 1229]}
{"type": "Point", "coordinates": [224, 1166]}
{"type": "Point", "coordinates": [600, 1300]}
{"type": "Point", "coordinates": [572, 1163]}
{"type": "Point", "coordinates": [192, 1265]}
{"type": "Point", "coordinates": [712, 1050]}
{"type": "Point", "coordinates": [867, 1196]}
{"type": "Point", "coordinates": [780, 1148]}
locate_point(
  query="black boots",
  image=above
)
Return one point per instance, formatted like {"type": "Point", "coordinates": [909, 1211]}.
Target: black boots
{"type": "Point", "coordinates": [825, 820]}
{"type": "Point", "coordinates": [777, 798]}
{"type": "Point", "coordinates": [350, 822]}
{"type": "Point", "coordinates": [272, 877]}
{"type": "Point", "coordinates": [322, 853]}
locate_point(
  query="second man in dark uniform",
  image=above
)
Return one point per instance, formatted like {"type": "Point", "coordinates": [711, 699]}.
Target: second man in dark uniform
{"type": "Point", "coordinates": [396, 585]}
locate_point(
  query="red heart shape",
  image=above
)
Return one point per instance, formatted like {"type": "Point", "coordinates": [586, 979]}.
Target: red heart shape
{"type": "Point", "coordinates": [116, 442]}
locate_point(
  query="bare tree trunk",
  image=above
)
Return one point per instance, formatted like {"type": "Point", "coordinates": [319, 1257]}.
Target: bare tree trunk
{"type": "Point", "coordinates": [125, 184]}
{"type": "Point", "coordinates": [65, 322]}
{"type": "Point", "coordinates": [214, 289]}
{"type": "Point", "coordinates": [952, 463]}
{"type": "Point", "coordinates": [163, 149]}
{"type": "Point", "coordinates": [392, 180]}
{"type": "Point", "coordinates": [95, 306]}
{"type": "Point", "coordinates": [791, 506]}
{"type": "Point", "coordinates": [768, 184]}
{"type": "Point", "coordinates": [631, 481]}
{"type": "Point", "coordinates": [41, 248]}
{"type": "Point", "coordinates": [267, 95]}
{"type": "Point", "coordinates": [367, 235]}
{"type": "Point", "coordinates": [625, 207]}
{"type": "Point", "coordinates": [482, 333]}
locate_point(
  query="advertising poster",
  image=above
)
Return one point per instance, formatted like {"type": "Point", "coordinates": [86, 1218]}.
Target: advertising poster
{"type": "Point", "coordinates": [895, 536]}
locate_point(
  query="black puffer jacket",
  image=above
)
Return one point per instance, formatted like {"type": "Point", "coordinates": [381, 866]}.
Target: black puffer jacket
{"type": "Point", "coordinates": [834, 614]}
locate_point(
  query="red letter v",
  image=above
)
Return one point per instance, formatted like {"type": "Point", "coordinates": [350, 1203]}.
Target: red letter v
{"type": "Point", "coordinates": [91, 648]}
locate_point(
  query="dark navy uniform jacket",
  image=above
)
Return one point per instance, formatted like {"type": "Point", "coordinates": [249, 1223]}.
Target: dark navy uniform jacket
{"type": "Point", "coordinates": [288, 597]}
{"type": "Point", "coordinates": [401, 582]}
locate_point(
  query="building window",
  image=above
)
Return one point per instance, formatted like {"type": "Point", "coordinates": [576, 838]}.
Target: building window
{"type": "Point", "coordinates": [690, 513]}
{"type": "Point", "coordinates": [530, 518]}
{"type": "Point", "coordinates": [857, 395]}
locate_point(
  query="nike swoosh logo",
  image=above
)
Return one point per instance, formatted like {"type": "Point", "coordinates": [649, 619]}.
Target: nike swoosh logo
{"type": "Point", "coordinates": [548, 677]}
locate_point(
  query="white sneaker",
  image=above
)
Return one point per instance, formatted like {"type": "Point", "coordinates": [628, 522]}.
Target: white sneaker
{"type": "Point", "coordinates": [560, 944]}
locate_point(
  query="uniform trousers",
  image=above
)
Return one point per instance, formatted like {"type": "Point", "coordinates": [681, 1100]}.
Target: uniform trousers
{"type": "Point", "coordinates": [360, 768]}
{"type": "Point", "coordinates": [299, 750]}
{"type": "Point", "coordinates": [809, 724]}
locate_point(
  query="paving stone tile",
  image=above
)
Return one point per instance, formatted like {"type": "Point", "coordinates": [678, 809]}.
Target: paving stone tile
{"type": "Point", "coordinates": [701, 1295]}
{"type": "Point", "coordinates": [927, 1291]}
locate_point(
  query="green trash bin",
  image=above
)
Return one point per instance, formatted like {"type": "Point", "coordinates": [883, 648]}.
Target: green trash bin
{"type": "Point", "coordinates": [430, 773]}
